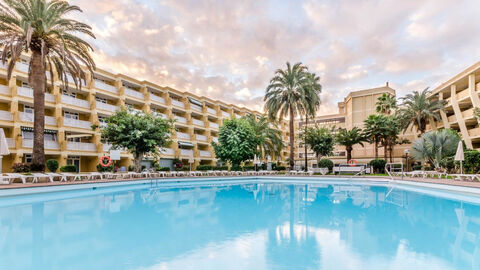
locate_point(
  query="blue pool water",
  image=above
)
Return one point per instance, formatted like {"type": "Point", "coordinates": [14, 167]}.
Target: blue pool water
{"type": "Point", "coordinates": [247, 225]}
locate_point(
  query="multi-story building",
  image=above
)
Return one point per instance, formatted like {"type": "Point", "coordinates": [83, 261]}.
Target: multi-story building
{"type": "Point", "coordinates": [70, 114]}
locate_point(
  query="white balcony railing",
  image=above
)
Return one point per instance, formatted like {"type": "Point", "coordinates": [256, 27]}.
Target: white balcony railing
{"type": "Point", "coordinates": [211, 111]}
{"type": "Point", "coordinates": [225, 114]}
{"type": "Point", "coordinates": [237, 116]}
{"type": "Point", "coordinates": [106, 147]}
{"type": "Point", "coordinates": [200, 137]}
{"type": "Point", "coordinates": [180, 119]}
{"type": "Point", "coordinates": [77, 123]}
{"type": "Point", "coordinates": [50, 120]}
{"type": "Point", "coordinates": [161, 115]}
{"type": "Point", "coordinates": [198, 122]}
{"type": "Point", "coordinates": [195, 107]}
{"type": "Point", "coordinates": [75, 101]}
{"type": "Point", "coordinates": [133, 93]}
{"type": "Point", "coordinates": [186, 152]}
{"type": "Point", "coordinates": [22, 67]}
{"type": "Point", "coordinates": [106, 107]}
{"type": "Point", "coordinates": [105, 86]}
{"type": "Point", "coordinates": [182, 135]}
{"type": "Point", "coordinates": [28, 143]}
{"type": "Point", "coordinates": [178, 103]}
{"type": "Point", "coordinates": [25, 91]}
{"type": "Point", "coordinates": [215, 139]}
{"type": "Point", "coordinates": [49, 97]}
{"type": "Point", "coordinates": [28, 117]}
{"type": "Point", "coordinates": [10, 142]}
{"type": "Point", "coordinates": [5, 90]}
{"type": "Point", "coordinates": [5, 115]}
{"type": "Point", "coordinates": [204, 153]}
{"type": "Point", "coordinates": [81, 146]}
{"type": "Point", "coordinates": [157, 98]}
{"type": "Point", "coordinates": [213, 125]}
{"type": "Point", "coordinates": [168, 151]}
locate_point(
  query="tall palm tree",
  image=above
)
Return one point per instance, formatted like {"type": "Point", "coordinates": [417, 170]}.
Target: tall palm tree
{"type": "Point", "coordinates": [285, 96]}
{"type": "Point", "coordinates": [386, 103]}
{"type": "Point", "coordinates": [44, 29]}
{"type": "Point", "coordinates": [417, 109]}
{"type": "Point", "coordinates": [312, 90]}
{"type": "Point", "coordinates": [349, 138]}
{"type": "Point", "coordinates": [269, 140]}
{"type": "Point", "coordinates": [375, 129]}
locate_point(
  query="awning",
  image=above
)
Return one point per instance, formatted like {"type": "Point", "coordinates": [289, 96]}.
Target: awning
{"type": "Point", "coordinates": [79, 136]}
{"type": "Point", "coordinates": [188, 144]}
{"type": "Point", "coordinates": [196, 102]}
{"type": "Point", "coordinates": [46, 131]}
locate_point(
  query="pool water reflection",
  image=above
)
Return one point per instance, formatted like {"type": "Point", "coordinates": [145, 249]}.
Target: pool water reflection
{"type": "Point", "coordinates": [240, 226]}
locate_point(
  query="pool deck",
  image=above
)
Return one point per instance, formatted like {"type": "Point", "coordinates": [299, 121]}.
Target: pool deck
{"type": "Point", "coordinates": [449, 182]}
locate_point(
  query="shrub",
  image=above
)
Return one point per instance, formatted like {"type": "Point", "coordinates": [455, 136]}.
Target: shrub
{"type": "Point", "coordinates": [417, 167]}
{"type": "Point", "coordinates": [110, 168]}
{"type": "Point", "coordinates": [68, 168]}
{"type": "Point", "coordinates": [204, 167]}
{"type": "Point", "coordinates": [52, 165]}
{"type": "Point", "coordinates": [163, 169]}
{"type": "Point", "coordinates": [378, 165]}
{"type": "Point", "coordinates": [220, 168]}
{"type": "Point", "coordinates": [21, 167]}
{"type": "Point", "coordinates": [249, 168]}
{"type": "Point", "coordinates": [326, 163]}
{"type": "Point", "coordinates": [281, 168]}
{"type": "Point", "coordinates": [472, 161]}
{"type": "Point", "coordinates": [131, 168]}
{"type": "Point", "coordinates": [184, 169]}
{"type": "Point", "coordinates": [236, 168]}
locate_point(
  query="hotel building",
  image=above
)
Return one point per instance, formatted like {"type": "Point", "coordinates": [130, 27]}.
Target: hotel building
{"type": "Point", "coordinates": [70, 114]}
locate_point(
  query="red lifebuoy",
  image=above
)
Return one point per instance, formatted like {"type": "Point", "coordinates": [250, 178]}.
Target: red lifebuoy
{"type": "Point", "coordinates": [105, 161]}
{"type": "Point", "coordinates": [352, 162]}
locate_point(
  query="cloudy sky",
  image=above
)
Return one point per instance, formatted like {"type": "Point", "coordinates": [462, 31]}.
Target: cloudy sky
{"type": "Point", "coordinates": [230, 49]}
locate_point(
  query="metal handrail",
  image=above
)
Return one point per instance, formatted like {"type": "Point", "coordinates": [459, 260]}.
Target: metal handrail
{"type": "Point", "coordinates": [388, 166]}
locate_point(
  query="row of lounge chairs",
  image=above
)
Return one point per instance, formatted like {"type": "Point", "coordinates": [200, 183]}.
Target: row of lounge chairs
{"type": "Point", "coordinates": [439, 175]}
{"type": "Point", "coordinates": [304, 173]}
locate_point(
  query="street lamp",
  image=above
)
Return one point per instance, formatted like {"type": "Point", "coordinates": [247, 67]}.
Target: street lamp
{"type": "Point", "coordinates": [406, 151]}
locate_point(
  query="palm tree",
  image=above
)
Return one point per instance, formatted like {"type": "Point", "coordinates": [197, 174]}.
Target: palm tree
{"type": "Point", "coordinates": [285, 96]}
{"type": "Point", "coordinates": [312, 90]}
{"type": "Point", "coordinates": [269, 140]}
{"type": "Point", "coordinates": [349, 138]}
{"type": "Point", "coordinates": [386, 103]}
{"type": "Point", "coordinates": [434, 146]}
{"type": "Point", "coordinates": [417, 109]}
{"type": "Point", "coordinates": [45, 30]}
{"type": "Point", "coordinates": [375, 129]}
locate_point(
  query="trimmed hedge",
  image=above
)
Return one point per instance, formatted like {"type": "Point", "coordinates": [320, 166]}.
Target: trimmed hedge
{"type": "Point", "coordinates": [21, 167]}
{"type": "Point", "coordinates": [163, 169]}
{"type": "Point", "coordinates": [378, 165]}
{"type": "Point", "coordinates": [68, 168]}
{"type": "Point", "coordinates": [326, 163]}
{"type": "Point", "coordinates": [220, 168]}
{"type": "Point", "coordinates": [281, 168]}
{"type": "Point", "coordinates": [472, 161]}
{"type": "Point", "coordinates": [204, 167]}
{"type": "Point", "coordinates": [249, 168]}
{"type": "Point", "coordinates": [52, 165]}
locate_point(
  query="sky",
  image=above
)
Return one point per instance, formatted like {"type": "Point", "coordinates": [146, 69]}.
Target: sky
{"type": "Point", "coordinates": [229, 50]}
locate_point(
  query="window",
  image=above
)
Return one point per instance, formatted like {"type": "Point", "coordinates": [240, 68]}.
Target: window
{"type": "Point", "coordinates": [70, 94]}
{"type": "Point", "coordinates": [28, 109]}
{"type": "Point", "coordinates": [77, 139]}
{"type": "Point", "coordinates": [27, 158]}
{"type": "Point", "coordinates": [101, 100]}
{"type": "Point", "coordinates": [50, 137]}
{"type": "Point", "coordinates": [26, 85]}
{"type": "Point", "coordinates": [70, 115]}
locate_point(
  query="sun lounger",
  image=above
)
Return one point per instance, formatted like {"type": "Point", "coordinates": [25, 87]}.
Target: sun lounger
{"type": "Point", "coordinates": [36, 176]}
{"type": "Point", "coordinates": [415, 174]}
{"type": "Point", "coordinates": [323, 171]}
{"type": "Point", "coordinates": [19, 176]}
{"type": "Point", "coordinates": [95, 175]}
{"type": "Point", "coordinates": [466, 177]}
{"type": "Point", "coordinates": [61, 177]}
{"type": "Point", "coordinates": [6, 179]}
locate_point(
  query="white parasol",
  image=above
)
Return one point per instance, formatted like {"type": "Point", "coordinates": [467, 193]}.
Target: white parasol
{"type": "Point", "coordinates": [459, 156]}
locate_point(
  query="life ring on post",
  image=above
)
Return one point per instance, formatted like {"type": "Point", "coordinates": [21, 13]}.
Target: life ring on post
{"type": "Point", "coordinates": [105, 161]}
{"type": "Point", "coordinates": [352, 162]}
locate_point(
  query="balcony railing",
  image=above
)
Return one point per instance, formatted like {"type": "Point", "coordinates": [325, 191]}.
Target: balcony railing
{"type": "Point", "coordinates": [161, 115]}
{"type": "Point", "coordinates": [133, 93]}
{"type": "Point", "coordinates": [22, 67]}
{"type": "Point", "coordinates": [213, 125]}
{"type": "Point", "coordinates": [237, 116]}
{"type": "Point", "coordinates": [157, 98]}
{"type": "Point", "coordinates": [10, 142]}
{"type": "Point", "coordinates": [186, 152]}
{"type": "Point", "coordinates": [49, 97]}
{"type": "Point", "coordinates": [77, 123]}
{"type": "Point", "coordinates": [178, 103]}
{"type": "Point", "coordinates": [25, 91]}
{"type": "Point", "coordinates": [5, 90]}
{"type": "Point", "coordinates": [200, 137]}
{"type": "Point", "coordinates": [211, 111]}
{"type": "Point", "coordinates": [198, 122]}
{"type": "Point", "coordinates": [106, 107]}
{"type": "Point", "coordinates": [81, 146]}
{"type": "Point", "coordinates": [180, 119]}
{"type": "Point", "coordinates": [28, 117]}
{"type": "Point", "coordinates": [196, 107]}
{"type": "Point", "coordinates": [182, 135]}
{"type": "Point", "coordinates": [105, 86]}
{"type": "Point", "coordinates": [168, 151]}
{"type": "Point", "coordinates": [225, 114]}
{"type": "Point", "coordinates": [75, 101]}
{"type": "Point", "coordinates": [28, 143]}
{"type": "Point", "coordinates": [204, 153]}
{"type": "Point", "coordinates": [5, 115]}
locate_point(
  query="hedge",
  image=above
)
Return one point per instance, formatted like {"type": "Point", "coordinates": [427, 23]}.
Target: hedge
{"type": "Point", "coordinates": [68, 168]}
{"type": "Point", "coordinates": [326, 163]}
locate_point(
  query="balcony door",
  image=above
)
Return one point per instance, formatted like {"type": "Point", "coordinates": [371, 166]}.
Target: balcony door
{"type": "Point", "coordinates": [74, 160]}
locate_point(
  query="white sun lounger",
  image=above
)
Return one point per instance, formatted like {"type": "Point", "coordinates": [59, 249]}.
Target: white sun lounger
{"type": "Point", "coordinates": [19, 176]}
{"type": "Point", "coordinates": [466, 177]}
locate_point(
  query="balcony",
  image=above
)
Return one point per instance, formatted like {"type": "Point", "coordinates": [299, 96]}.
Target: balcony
{"type": "Point", "coordinates": [186, 152]}
{"type": "Point", "coordinates": [106, 107]}
{"type": "Point", "coordinates": [452, 118]}
{"type": "Point", "coordinates": [180, 119]}
{"type": "Point", "coordinates": [107, 87]}
{"type": "Point", "coordinates": [467, 114]}
{"type": "Point", "coordinates": [213, 125]}
{"type": "Point", "coordinates": [204, 153]}
{"type": "Point", "coordinates": [28, 117]}
{"type": "Point", "coordinates": [168, 151]}
{"type": "Point", "coordinates": [200, 137]}
{"type": "Point", "coordinates": [23, 67]}
{"type": "Point", "coordinates": [195, 107]}
{"type": "Point", "coordinates": [462, 95]}
{"type": "Point", "coordinates": [69, 122]}
{"type": "Point", "coordinates": [474, 132]}
{"type": "Point", "coordinates": [75, 101]}
{"type": "Point", "coordinates": [198, 122]}
{"type": "Point", "coordinates": [157, 99]}
{"type": "Point", "coordinates": [49, 97]}
{"type": "Point", "coordinates": [5, 115]}
{"type": "Point", "coordinates": [5, 90]}
{"type": "Point", "coordinates": [238, 116]}
{"type": "Point", "coordinates": [161, 115]}
{"type": "Point", "coordinates": [53, 145]}
{"type": "Point", "coordinates": [225, 114]}
{"type": "Point", "coordinates": [178, 103]}
{"type": "Point", "coordinates": [10, 142]}
{"type": "Point", "coordinates": [81, 146]}
{"type": "Point", "coordinates": [25, 91]}
{"type": "Point", "coordinates": [132, 93]}
{"type": "Point", "coordinates": [182, 135]}
{"type": "Point", "coordinates": [211, 111]}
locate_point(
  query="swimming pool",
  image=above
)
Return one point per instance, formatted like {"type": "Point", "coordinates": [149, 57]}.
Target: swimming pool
{"type": "Point", "coordinates": [241, 224]}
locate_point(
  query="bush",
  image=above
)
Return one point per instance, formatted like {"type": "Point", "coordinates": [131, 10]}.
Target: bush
{"type": "Point", "coordinates": [110, 168]}
{"type": "Point", "coordinates": [184, 169]}
{"type": "Point", "coordinates": [417, 167]}
{"type": "Point", "coordinates": [472, 161]}
{"type": "Point", "coordinates": [21, 167]}
{"type": "Point", "coordinates": [52, 165]}
{"type": "Point", "coordinates": [378, 165]}
{"type": "Point", "coordinates": [163, 169]}
{"type": "Point", "coordinates": [204, 167]}
{"type": "Point", "coordinates": [68, 168]}
{"type": "Point", "coordinates": [281, 168]}
{"type": "Point", "coordinates": [236, 168]}
{"type": "Point", "coordinates": [326, 163]}
{"type": "Point", "coordinates": [220, 168]}
{"type": "Point", "coordinates": [249, 168]}
{"type": "Point", "coordinates": [131, 168]}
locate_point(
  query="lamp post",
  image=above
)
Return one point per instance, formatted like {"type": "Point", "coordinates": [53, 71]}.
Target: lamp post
{"type": "Point", "coordinates": [407, 151]}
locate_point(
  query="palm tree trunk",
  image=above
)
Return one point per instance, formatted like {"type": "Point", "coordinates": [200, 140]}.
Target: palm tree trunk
{"type": "Point", "coordinates": [292, 139]}
{"type": "Point", "coordinates": [305, 144]}
{"type": "Point", "coordinates": [349, 152]}
{"type": "Point", "coordinates": [376, 148]}
{"type": "Point", "coordinates": [37, 81]}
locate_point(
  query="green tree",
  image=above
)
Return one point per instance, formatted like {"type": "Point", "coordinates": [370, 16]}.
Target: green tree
{"type": "Point", "coordinates": [47, 31]}
{"type": "Point", "coordinates": [349, 138]}
{"type": "Point", "coordinates": [391, 136]}
{"type": "Point", "coordinates": [285, 96]}
{"type": "Point", "coordinates": [434, 146]}
{"type": "Point", "coordinates": [311, 89]}
{"type": "Point", "coordinates": [417, 109]}
{"type": "Point", "coordinates": [269, 140]}
{"type": "Point", "coordinates": [236, 142]}
{"type": "Point", "coordinates": [386, 103]}
{"type": "Point", "coordinates": [375, 129]}
{"type": "Point", "coordinates": [140, 133]}
{"type": "Point", "coordinates": [320, 140]}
